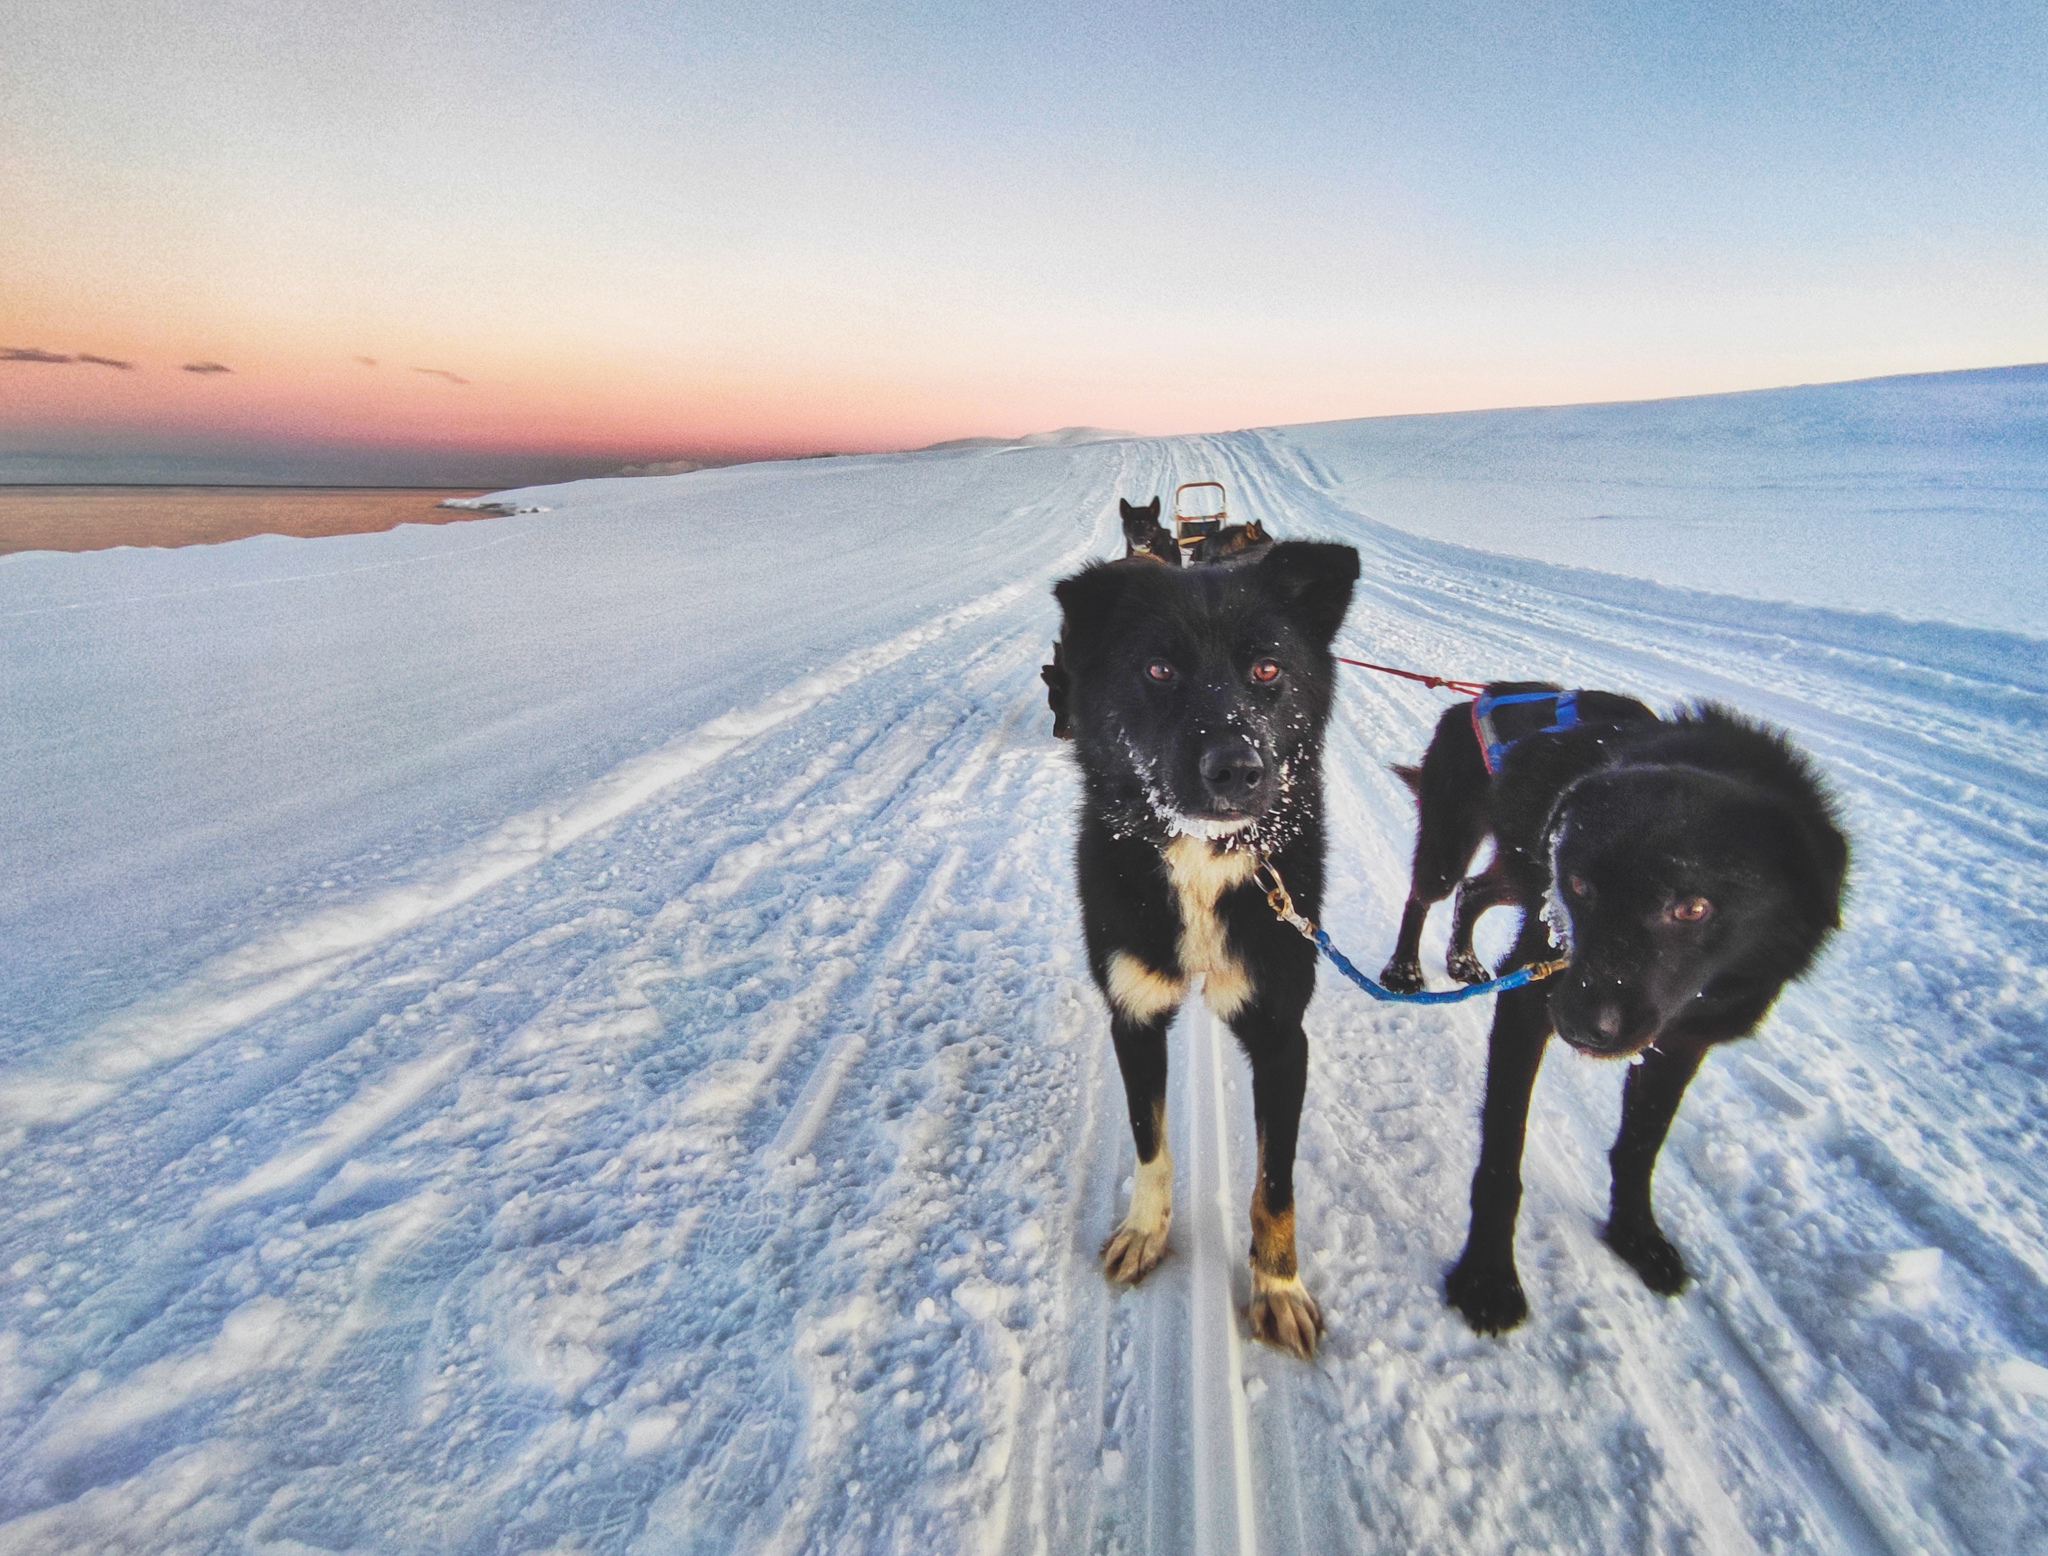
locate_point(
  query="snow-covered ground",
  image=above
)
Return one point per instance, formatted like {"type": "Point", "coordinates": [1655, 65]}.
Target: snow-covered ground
{"type": "Point", "coordinates": [568, 1032]}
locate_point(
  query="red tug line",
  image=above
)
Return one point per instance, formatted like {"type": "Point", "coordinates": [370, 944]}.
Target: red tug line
{"type": "Point", "coordinates": [1463, 688]}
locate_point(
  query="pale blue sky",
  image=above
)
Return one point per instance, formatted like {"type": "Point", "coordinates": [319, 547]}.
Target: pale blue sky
{"type": "Point", "coordinates": [874, 224]}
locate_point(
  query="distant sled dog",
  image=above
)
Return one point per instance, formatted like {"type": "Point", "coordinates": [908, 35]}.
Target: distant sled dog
{"type": "Point", "coordinates": [1144, 535]}
{"type": "Point", "coordinates": [1197, 698]}
{"type": "Point", "coordinates": [1230, 542]}
{"type": "Point", "coordinates": [1690, 867]}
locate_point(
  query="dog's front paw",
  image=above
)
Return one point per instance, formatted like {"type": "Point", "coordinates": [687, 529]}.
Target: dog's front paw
{"type": "Point", "coordinates": [1283, 1314]}
{"type": "Point", "coordinates": [1490, 1299]}
{"type": "Point", "coordinates": [1133, 1252]}
{"type": "Point", "coordinates": [1466, 968]}
{"type": "Point", "coordinates": [1403, 975]}
{"type": "Point", "coordinates": [1649, 1253]}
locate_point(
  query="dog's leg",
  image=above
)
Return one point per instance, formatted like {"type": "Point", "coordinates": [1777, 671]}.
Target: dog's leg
{"type": "Point", "coordinates": [1483, 1284]}
{"type": "Point", "coordinates": [1450, 823]}
{"type": "Point", "coordinates": [1476, 894]}
{"type": "Point", "coordinates": [1403, 972]}
{"type": "Point", "coordinates": [1282, 1312]}
{"type": "Point", "coordinates": [1649, 1101]}
{"type": "Point", "coordinates": [1135, 1248]}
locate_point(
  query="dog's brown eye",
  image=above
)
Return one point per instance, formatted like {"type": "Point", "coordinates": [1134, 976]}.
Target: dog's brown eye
{"type": "Point", "coordinates": [1691, 910]}
{"type": "Point", "coordinates": [1265, 670]}
{"type": "Point", "coordinates": [1581, 887]}
{"type": "Point", "coordinates": [1159, 670]}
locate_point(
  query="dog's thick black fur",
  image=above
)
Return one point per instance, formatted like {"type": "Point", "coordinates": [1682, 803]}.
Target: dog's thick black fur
{"type": "Point", "coordinates": [1690, 866]}
{"type": "Point", "coordinates": [1198, 698]}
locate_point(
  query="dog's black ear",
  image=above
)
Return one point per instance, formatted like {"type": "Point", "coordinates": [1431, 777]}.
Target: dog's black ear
{"type": "Point", "coordinates": [1316, 578]}
{"type": "Point", "coordinates": [1087, 602]}
{"type": "Point", "coordinates": [1149, 513]}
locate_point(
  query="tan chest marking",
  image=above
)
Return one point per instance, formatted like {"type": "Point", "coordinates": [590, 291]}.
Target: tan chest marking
{"type": "Point", "coordinates": [1201, 872]}
{"type": "Point", "coordinates": [1140, 992]}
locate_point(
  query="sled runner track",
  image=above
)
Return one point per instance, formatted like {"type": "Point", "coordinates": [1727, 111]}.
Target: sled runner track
{"type": "Point", "coordinates": [1225, 1516]}
{"type": "Point", "coordinates": [1837, 1494]}
{"type": "Point", "coordinates": [1861, 1513]}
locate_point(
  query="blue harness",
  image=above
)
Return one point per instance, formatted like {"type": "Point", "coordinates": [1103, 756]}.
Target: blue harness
{"type": "Point", "coordinates": [1498, 736]}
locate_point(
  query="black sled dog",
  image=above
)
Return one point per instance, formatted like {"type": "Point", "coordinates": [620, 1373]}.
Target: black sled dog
{"type": "Point", "coordinates": [1144, 535]}
{"type": "Point", "coordinates": [1690, 867]}
{"type": "Point", "coordinates": [1198, 698]}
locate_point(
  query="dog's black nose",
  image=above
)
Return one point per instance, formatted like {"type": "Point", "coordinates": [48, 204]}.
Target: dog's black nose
{"type": "Point", "coordinates": [1231, 770]}
{"type": "Point", "coordinates": [1608, 1022]}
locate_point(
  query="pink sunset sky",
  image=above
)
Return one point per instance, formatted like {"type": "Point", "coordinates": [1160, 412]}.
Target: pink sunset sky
{"type": "Point", "coordinates": [457, 240]}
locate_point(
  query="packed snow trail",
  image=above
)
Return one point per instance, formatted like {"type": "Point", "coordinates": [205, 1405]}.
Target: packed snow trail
{"type": "Point", "coordinates": [727, 1174]}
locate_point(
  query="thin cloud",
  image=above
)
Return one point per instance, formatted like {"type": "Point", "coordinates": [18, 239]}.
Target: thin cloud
{"type": "Point", "coordinates": [29, 354]}
{"type": "Point", "coordinates": [207, 367]}
{"type": "Point", "coordinates": [87, 356]}
{"type": "Point", "coordinates": [367, 361]}
{"type": "Point", "coordinates": [442, 372]}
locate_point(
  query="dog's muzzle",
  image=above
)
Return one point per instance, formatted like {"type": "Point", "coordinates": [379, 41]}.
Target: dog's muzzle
{"type": "Point", "coordinates": [1603, 1017]}
{"type": "Point", "coordinates": [1233, 775]}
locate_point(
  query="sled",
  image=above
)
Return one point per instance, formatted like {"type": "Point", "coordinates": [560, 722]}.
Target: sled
{"type": "Point", "coordinates": [1196, 518]}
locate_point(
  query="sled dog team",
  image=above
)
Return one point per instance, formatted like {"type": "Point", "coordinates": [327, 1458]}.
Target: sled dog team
{"type": "Point", "coordinates": [1688, 866]}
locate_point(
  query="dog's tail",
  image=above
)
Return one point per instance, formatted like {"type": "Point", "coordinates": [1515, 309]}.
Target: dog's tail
{"type": "Point", "coordinates": [1411, 776]}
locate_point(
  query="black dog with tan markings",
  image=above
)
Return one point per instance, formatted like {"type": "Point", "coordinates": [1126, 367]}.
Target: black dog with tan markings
{"type": "Point", "coordinates": [1691, 867]}
{"type": "Point", "coordinates": [1197, 699]}
{"type": "Point", "coordinates": [1144, 535]}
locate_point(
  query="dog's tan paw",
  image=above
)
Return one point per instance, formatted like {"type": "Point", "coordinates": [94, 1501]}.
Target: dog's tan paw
{"type": "Point", "coordinates": [1283, 1314]}
{"type": "Point", "coordinates": [1133, 1252]}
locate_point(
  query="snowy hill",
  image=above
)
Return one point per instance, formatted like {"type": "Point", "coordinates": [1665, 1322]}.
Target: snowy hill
{"type": "Point", "coordinates": [1921, 495]}
{"type": "Point", "coordinates": [1062, 438]}
{"type": "Point", "coordinates": [568, 1031]}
